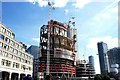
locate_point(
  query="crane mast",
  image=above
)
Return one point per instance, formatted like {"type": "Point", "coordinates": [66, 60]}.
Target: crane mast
{"type": "Point", "coordinates": [48, 42]}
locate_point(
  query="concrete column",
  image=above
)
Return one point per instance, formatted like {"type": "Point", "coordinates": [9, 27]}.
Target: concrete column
{"type": "Point", "coordinates": [18, 76]}
{"type": "Point", "coordinates": [10, 74]}
{"type": "Point", "coordinates": [11, 64]}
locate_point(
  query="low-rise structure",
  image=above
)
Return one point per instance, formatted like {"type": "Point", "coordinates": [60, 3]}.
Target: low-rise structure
{"type": "Point", "coordinates": [15, 62]}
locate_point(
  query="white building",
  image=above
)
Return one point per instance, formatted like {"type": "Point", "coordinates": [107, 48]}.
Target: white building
{"type": "Point", "coordinates": [15, 62]}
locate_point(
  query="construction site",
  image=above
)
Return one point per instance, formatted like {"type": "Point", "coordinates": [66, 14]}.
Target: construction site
{"type": "Point", "coordinates": [58, 50]}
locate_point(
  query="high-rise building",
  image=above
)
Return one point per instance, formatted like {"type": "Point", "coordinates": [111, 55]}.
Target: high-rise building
{"type": "Point", "coordinates": [114, 57]}
{"type": "Point", "coordinates": [61, 50]}
{"type": "Point", "coordinates": [103, 57]}
{"type": "Point", "coordinates": [15, 62]}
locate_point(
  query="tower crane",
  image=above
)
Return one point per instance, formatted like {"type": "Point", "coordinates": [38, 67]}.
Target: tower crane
{"type": "Point", "coordinates": [50, 4]}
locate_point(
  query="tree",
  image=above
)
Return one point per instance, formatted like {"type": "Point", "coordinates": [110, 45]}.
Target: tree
{"type": "Point", "coordinates": [101, 77]}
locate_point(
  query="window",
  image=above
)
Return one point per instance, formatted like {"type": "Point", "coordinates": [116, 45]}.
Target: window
{"type": "Point", "coordinates": [15, 51]}
{"type": "Point", "coordinates": [61, 32]}
{"type": "Point", "coordinates": [10, 55]}
{"type": "Point", "coordinates": [13, 35]}
{"type": "Point", "coordinates": [19, 53]}
{"type": "Point", "coordinates": [1, 45]}
{"type": "Point", "coordinates": [56, 30]}
{"type": "Point", "coordinates": [31, 58]}
{"type": "Point", "coordinates": [19, 59]}
{"type": "Point", "coordinates": [27, 56]}
{"type": "Point", "coordinates": [11, 49]}
{"type": "Point", "coordinates": [5, 47]}
{"type": "Point", "coordinates": [22, 60]}
{"type": "Point", "coordinates": [20, 47]}
{"type": "Point", "coordinates": [29, 68]}
{"type": "Point", "coordinates": [0, 52]}
{"type": "Point", "coordinates": [12, 43]}
{"type": "Point", "coordinates": [23, 55]}
{"type": "Point", "coordinates": [13, 64]}
{"type": "Point", "coordinates": [1, 37]}
{"type": "Point", "coordinates": [3, 62]}
{"type": "Point", "coordinates": [16, 45]}
{"type": "Point", "coordinates": [23, 67]}
{"type": "Point", "coordinates": [28, 62]}
{"type": "Point", "coordinates": [23, 49]}
{"type": "Point", "coordinates": [8, 33]}
{"type": "Point", "coordinates": [17, 65]}
{"type": "Point", "coordinates": [65, 32]}
{"type": "Point", "coordinates": [5, 54]}
{"type": "Point", "coordinates": [25, 61]}
{"type": "Point", "coordinates": [57, 40]}
{"type": "Point", "coordinates": [3, 30]}
{"type": "Point", "coordinates": [14, 57]}
{"type": "Point", "coordinates": [62, 41]}
{"type": "Point", "coordinates": [8, 63]}
{"type": "Point", "coordinates": [7, 40]}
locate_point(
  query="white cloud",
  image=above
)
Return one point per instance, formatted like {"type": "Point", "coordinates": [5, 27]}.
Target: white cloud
{"type": "Point", "coordinates": [36, 39]}
{"type": "Point", "coordinates": [42, 3]}
{"type": "Point", "coordinates": [81, 3]}
{"type": "Point", "coordinates": [60, 3]}
{"type": "Point", "coordinates": [57, 3]}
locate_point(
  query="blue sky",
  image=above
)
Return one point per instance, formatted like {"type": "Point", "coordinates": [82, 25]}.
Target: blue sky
{"type": "Point", "coordinates": [96, 20]}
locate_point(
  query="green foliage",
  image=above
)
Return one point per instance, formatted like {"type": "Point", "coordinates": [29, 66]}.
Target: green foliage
{"type": "Point", "coordinates": [101, 77]}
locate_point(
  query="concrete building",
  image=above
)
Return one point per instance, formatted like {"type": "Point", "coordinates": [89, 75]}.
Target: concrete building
{"type": "Point", "coordinates": [15, 62]}
{"type": "Point", "coordinates": [84, 70]}
{"type": "Point", "coordinates": [103, 57]}
{"type": "Point", "coordinates": [61, 50]}
{"type": "Point", "coordinates": [114, 57]}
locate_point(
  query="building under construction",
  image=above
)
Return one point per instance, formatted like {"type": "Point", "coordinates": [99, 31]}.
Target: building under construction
{"type": "Point", "coordinates": [58, 45]}
{"type": "Point", "coordinates": [85, 70]}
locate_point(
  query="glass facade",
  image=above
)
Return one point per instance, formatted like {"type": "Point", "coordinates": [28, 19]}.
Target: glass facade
{"type": "Point", "coordinates": [103, 59]}
{"type": "Point", "coordinates": [114, 57]}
